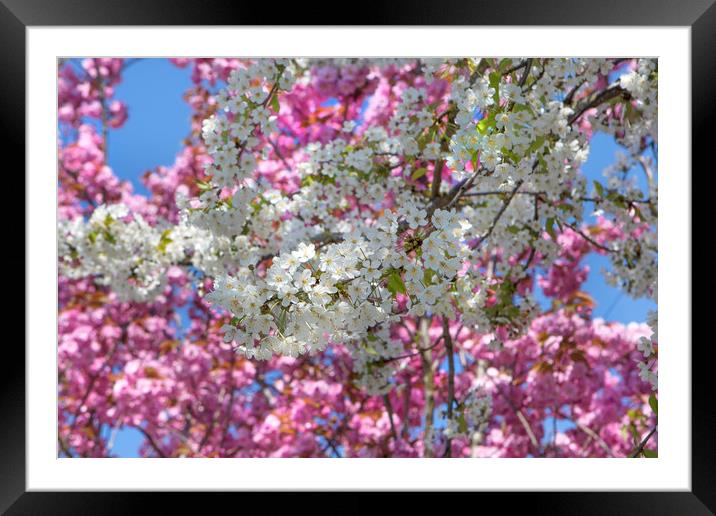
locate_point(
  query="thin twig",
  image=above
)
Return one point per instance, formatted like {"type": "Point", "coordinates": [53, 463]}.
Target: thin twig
{"type": "Point", "coordinates": [502, 210]}
{"type": "Point", "coordinates": [64, 447]}
{"type": "Point", "coordinates": [406, 407]}
{"type": "Point", "coordinates": [521, 417]}
{"type": "Point", "coordinates": [519, 66]}
{"type": "Point", "coordinates": [643, 442]}
{"type": "Point", "coordinates": [595, 436]}
{"type": "Point", "coordinates": [96, 376]}
{"type": "Point", "coordinates": [389, 408]}
{"type": "Point", "coordinates": [588, 238]}
{"type": "Point", "coordinates": [451, 378]}
{"type": "Point", "coordinates": [528, 68]}
{"type": "Point", "coordinates": [227, 421]}
{"type": "Point", "coordinates": [152, 442]}
{"type": "Point", "coordinates": [280, 156]}
{"type": "Point", "coordinates": [426, 360]}
{"type": "Point", "coordinates": [103, 104]}
{"type": "Point", "coordinates": [407, 355]}
{"type": "Point", "coordinates": [597, 98]}
{"type": "Point", "coordinates": [437, 178]}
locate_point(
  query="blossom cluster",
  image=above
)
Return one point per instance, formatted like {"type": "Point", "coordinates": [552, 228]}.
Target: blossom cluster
{"type": "Point", "coordinates": [86, 90]}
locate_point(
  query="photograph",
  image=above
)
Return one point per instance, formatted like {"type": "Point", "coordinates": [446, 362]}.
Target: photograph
{"type": "Point", "coordinates": [357, 257]}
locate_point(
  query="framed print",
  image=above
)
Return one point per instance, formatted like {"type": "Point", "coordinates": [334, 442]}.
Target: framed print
{"type": "Point", "coordinates": [357, 257]}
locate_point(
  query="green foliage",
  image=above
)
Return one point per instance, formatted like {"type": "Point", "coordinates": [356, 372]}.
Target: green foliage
{"type": "Point", "coordinates": [654, 404]}
{"type": "Point", "coordinates": [495, 83]}
{"type": "Point", "coordinates": [395, 283]}
{"type": "Point", "coordinates": [486, 123]}
{"type": "Point", "coordinates": [549, 227]}
{"type": "Point", "coordinates": [164, 241]}
{"type": "Point", "coordinates": [203, 186]}
{"type": "Point", "coordinates": [599, 188]}
{"type": "Point", "coordinates": [418, 173]}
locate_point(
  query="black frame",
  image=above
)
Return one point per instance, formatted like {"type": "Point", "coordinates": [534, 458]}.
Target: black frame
{"type": "Point", "coordinates": [16, 15]}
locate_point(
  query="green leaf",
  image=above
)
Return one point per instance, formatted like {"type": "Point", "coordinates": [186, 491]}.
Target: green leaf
{"type": "Point", "coordinates": [654, 403]}
{"type": "Point", "coordinates": [462, 423]}
{"type": "Point", "coordinates": [473, 160]}
{"type": "Point", "coordinates": [164, 241]}
{"type": "Point", "coordinates": [505, 64]}
{"type": "Point", "coordinates": [630, 113]}
{"type": "Point", "coordinates": [511, 154]}
{"type": "Point", "coordinates": [395, 283]}
{"type": "Point", "coordinates": [505, 293]}
{"type": "Point", "coordinates": [420, 172]}
{"type": "Point", "coordinates": [549, 226]}
{"type": "Point", "coordinates": [542, 161]}
{"type": "Point", "coordinates": [522, 107]}
{"type": "Point", "coordinates": [599, 188]}
{"type": "Point", "coordinates": [495, 83]}
{"type": "Point", "coordinates": [650, 454]}
{"type": "Point", "coordinates": [535, 145]}
{"type": "Point", "coordinates": [513, 229]}
{"type": "Point", "coordinates": [428, 276]}
{"type": "Point", "coordinates": [371, 351]}
{"type": "Point", "coordinates": [203, 185]}
{"type": "Point", "coordinates": [486, 123]}
{"type": "Point", "coordinates": [274, 104]}
{"type": "Point", "coordinates": [637, 211]}
{"type": "Point", "coordinates": [634, 434]}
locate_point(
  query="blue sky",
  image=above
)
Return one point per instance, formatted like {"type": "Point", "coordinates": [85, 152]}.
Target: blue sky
{"type": "Point", "coordinates": [159, 119]}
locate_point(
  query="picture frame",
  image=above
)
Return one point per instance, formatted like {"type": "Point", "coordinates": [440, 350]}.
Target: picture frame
{"type": "Point", "coordinates": [700, 15]}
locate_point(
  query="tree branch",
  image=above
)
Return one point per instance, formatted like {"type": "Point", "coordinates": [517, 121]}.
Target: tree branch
{"type": "Point", "coordinates": [502, 210]}
{"type": "Point", "coordinates": [522, 419]}
{"type": "Point", "coordinates": [227, 421]}
{"type": "Point", "coordinates": [406, 407]}
{"type": "Point", "coordinates": [597, 98]}
{"type": "Point", "coordinates": [588, 238]}
{"type": "Point", "coordinates": [152, 442]}
{"type": "Point", "coordinates": [64, 447]}
{"type": "Point", "coordinates": [407, 355]}
{"type": "Point", "coordinates": [389, 408]}
{"type": "Point", "coordinates": [643, 442]}
{"type": "Point", "coordinates": [426, 359]}
{"type": "Point", "coordinates": [451, 378]}
{"type": "Point", "coordinates": [594, 435]}
{"type": "Point", "coordinates": [96, 376]}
